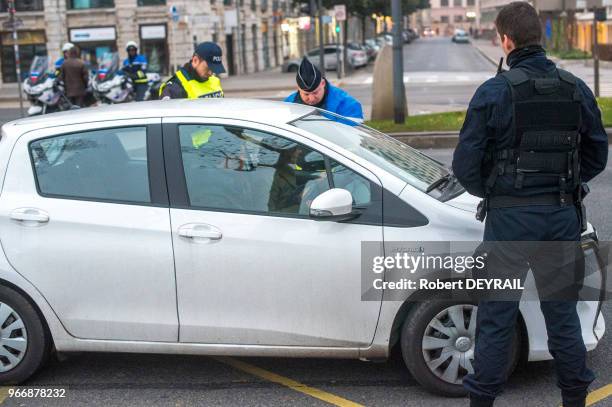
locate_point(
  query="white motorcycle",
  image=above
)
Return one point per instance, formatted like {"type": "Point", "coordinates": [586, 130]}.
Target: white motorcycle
{"type": "Point", "coordinates": [44, 92]}
{"type": "Point", "coordinates": [111, 85]}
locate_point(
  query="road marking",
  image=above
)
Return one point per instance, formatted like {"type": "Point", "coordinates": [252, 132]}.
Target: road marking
{"type": "Point", "coordinates": [599, 394]}
{"type": "Point", "coordinates": [4, 393]}
{"type": "Point", "coordinates": [285, 381]}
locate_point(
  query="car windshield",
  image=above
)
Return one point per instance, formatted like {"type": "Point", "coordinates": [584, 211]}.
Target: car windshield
{"type": "Point", "coordinates": [393, 156]}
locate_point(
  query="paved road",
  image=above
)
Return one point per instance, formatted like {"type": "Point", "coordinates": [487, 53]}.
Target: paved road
{"type": "Point", "coordinates": [162, 380]}
{"type": "Point", "coordinates": [439, 76]}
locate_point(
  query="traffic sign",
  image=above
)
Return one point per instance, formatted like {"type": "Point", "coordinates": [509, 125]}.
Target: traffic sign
{"type": "Point", "coordinates": [11, 25]}
{"type": "Point", "coordinates": [174, 14]}
{"type": "Point", "coordinates": [340, 12]}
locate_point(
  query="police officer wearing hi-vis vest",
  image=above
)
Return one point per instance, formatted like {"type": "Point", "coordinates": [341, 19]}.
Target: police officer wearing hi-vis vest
{"type": "Point", "coordinates": [532, 138]}
{"type": "Point", "coordinates": [197, 78]}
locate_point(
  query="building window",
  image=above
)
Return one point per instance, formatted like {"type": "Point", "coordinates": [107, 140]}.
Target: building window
{"type": "Point", "coordinates": [85, 4]}
{"type": "Point", "coordinates": [444, 19]}
{"type": "Point", "coordinates": [264, 6]}
{"type": "Point", "coordinates": [31, 43]}
{"type": "Point", "coordinates": [153, 44]}
{"type": "Point", "coordinates": [253, 5]}
{"type": "Point", "coordinates": [152, 2]}
{"type": "Point", "coordinates": [471, 2]}
{"type": "Point", "coordinates": [444, 3]}
{"type": "Point", "coordinates": [227, 2]}
{"type": "Point", "coordinates": [23, 5]}
{"type": "Point", "coordinates": [457, 3]}
{"type": "Point", "coordinates": [458, 18]}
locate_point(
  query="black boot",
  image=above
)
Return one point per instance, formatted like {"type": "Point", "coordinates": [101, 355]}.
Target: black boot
{"type": "Point", "coordinates": [480, 401]}
{"type": "Point", "coordinates": [574, 399]}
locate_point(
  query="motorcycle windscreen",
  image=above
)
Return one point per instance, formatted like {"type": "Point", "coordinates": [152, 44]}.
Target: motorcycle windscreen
{"type": "Point", "coordinates": [38, 68]}
{"type": "Point", "coordinates": [108, 66]}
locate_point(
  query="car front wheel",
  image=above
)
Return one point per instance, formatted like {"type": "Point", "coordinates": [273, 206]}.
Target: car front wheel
{"type": "Point", "coordinates": [24, 344]}
{"type": "Point", "coordinates": [437, 342]}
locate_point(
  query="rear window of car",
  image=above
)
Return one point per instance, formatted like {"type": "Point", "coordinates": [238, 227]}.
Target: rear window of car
{"type": "Point", "coordinates": [106, 165]}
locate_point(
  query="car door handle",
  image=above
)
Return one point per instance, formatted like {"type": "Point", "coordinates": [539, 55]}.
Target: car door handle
{"type": "Point", "coordinates": [29, 215]}
{"type": "Point", "coordinates": [200, 231]}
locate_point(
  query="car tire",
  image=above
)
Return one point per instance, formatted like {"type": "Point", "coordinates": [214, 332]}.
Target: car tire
{"type": "Point", "coordinates": [16, 310]}
{"type": "Point", "coordinates": [429, 367]}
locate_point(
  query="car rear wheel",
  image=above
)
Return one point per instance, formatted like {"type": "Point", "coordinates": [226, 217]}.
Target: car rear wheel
{"type": "Point", "coordinates": [437, 344]}
{"type": "Point", "coordinates": [24, 344]}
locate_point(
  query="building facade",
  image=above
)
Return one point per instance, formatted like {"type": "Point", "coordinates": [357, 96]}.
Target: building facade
{"type": "Point", "coordinates": [252, 38]}
{"type": "Point", "coordinates": [444, 16]}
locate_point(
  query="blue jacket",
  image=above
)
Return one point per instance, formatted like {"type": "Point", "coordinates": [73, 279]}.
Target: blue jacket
{"type": "Point", "coordinates": [489, 120]}
{"type": "Point", "coordinates": [337, 101]}
{"type": "Point", "coordinates": [139, 63]}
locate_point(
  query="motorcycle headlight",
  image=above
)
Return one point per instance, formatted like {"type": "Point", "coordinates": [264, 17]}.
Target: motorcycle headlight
{"type": "Point", "coordinates": [105, 86]}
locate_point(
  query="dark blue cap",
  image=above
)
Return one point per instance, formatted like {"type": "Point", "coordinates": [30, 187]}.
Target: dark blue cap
{"type": "Point", "coordinates": [212, 54]}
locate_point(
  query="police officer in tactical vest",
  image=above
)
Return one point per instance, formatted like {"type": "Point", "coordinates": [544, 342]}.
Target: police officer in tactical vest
{"type": "Point", "coordinates": [531, 139]}
{"type": "Point", "coordinates": [198, 77]}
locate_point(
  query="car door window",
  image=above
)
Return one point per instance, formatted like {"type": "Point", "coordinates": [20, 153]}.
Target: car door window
{"type": "Point", "coordinates": [230, 168]}
{"type": "Point", "coordinates": [107, 165]}
{"type": "Point", "coordinates": [330, 51]}
{"type": "Point", "coordinates": [359, 187]}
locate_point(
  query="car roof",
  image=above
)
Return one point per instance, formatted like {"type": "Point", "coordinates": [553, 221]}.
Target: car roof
{"type": "Point", "coordinates": [254, 110]}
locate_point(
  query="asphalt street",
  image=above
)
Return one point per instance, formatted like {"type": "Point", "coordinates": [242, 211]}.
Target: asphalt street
{"type": "Point", "coordinates": [439, 76]}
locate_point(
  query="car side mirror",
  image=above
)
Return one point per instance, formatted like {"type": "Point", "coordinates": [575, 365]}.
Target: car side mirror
{"type": "Point", "coordinates": [335, 204]}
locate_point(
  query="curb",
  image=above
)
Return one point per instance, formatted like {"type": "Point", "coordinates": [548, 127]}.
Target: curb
{"type": "Point", "coordinates": [487, 57]}
{"type": "Point", "coordinates": [443, 139]}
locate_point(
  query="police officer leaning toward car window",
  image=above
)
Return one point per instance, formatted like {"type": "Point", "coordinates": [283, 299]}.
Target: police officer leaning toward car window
{"type": "Point", "coordinates": [315, 90]}
{"type": "Point", "coordinates": [531, 120]}
{"type": "Point", "coordinates": [198, 77]}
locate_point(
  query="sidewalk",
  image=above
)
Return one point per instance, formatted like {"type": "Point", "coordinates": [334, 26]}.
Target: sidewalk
{"type": "Point", "coordinates": [581, 68]}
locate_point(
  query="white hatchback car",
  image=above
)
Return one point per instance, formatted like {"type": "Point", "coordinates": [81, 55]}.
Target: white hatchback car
{"type": "Point", "coordinates": [227, 227]}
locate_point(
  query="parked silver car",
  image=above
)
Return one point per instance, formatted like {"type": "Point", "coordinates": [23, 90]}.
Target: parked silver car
{"type": "Point", "coordinates": [229, 227]}
{"type": "Point", "coordinates": [357, 58]}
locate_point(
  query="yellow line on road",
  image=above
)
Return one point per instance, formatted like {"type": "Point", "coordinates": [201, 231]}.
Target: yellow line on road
{"type": "Point", "coordinates": [285, 381]}
{"type": "Point", "coordinates": [599, 394]}
{"type": "Point", "coordinates": [4, 393]}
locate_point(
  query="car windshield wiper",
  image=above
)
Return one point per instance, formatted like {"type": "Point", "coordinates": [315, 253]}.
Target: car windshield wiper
{"type": "Point", "coordinates": [439, 182]}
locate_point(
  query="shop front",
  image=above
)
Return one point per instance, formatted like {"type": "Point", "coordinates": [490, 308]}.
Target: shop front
{"type": "Point", "coordinates": [154, 44]}
{"type": "Point", "coordinates": [31, 43]}
{"type": "Point", "coordinates": [94, 42]}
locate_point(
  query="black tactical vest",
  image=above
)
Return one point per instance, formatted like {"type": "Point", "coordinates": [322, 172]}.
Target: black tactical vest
{"type": "Point", "coordinates": [546, 140]}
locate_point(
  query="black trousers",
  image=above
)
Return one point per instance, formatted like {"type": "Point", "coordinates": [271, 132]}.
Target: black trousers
{"type": "Point", "coordinates": [496, 319]}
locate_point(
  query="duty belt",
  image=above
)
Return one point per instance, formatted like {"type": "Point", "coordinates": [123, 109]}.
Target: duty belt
{"type": "Point", "coordinates": [509, 201]}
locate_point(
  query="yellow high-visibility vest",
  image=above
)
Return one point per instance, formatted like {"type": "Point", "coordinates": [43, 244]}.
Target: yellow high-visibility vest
{"type": "Point", "coordinates": [210, 88]}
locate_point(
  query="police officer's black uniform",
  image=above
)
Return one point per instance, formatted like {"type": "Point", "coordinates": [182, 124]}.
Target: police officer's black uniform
{"type": "Point", "coordinates": [531, 136]}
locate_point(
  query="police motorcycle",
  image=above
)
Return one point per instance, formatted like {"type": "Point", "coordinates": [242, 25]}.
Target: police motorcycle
{"type": "Point", "coordinates": [44, 91]}
{"type": "Point", "coordinates": [111, 85]}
